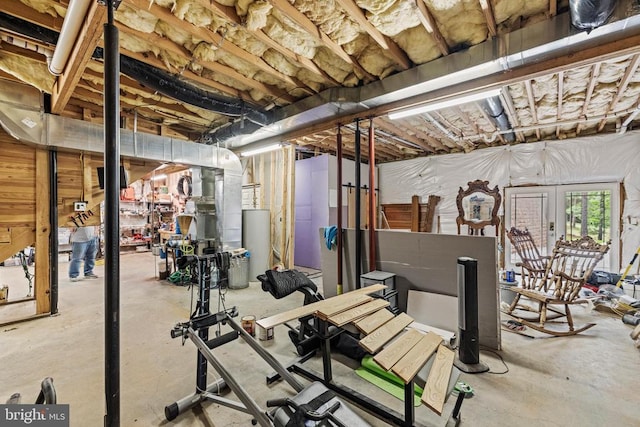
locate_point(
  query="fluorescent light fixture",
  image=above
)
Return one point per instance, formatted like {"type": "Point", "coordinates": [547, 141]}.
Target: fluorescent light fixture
{"type": "Point", "coordinates": [425, 108]}
{"type": "Point", "coordinates": [260, 150]}
{"type": "Point", "coordinates": [158, 177]}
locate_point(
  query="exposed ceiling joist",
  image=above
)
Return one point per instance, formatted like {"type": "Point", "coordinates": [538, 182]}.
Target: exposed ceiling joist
{"type": "Point", "coordinates": [215, 67]}
{"type": "Point", "coordinates": [18, 9]}
{"type": "Point", "coordinates": [429, 24]}
{"type": "Point", "coordinates": [389, 127]}
{"type": "Point", "coordinates": [560, 98]}
{"type": "Point", "coordinates": [622, 87]}
{"type": "Point", "coordinates": [593, 81]}
{"type": "Point", "coordinates": [301, 19]}
{"type": "Point", "coordinates": [80, 55]}
{"type": "Point", "coordinates": [532, 106]}
{"type": "Point", "coordinates": [389, 46]}
{"type": "Point", "coordinates": [230, 14]}
{"type": "Point", "coordinates": [489, 16]}
{"type": "Point", "coordinates": [215, 39]}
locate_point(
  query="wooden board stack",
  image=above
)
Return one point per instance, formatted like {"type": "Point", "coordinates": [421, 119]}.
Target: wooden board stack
{"type": "Point", "coordinates": [404, 355]}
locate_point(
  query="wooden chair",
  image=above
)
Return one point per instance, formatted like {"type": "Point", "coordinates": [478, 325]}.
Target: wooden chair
{"type": "Point", "coordinates": [570, 266]}
{"type": "Point", "coordinates": [532, 264]}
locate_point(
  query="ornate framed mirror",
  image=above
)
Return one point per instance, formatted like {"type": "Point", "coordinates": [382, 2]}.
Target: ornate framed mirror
{"type": "Point", "coordinates": [478, 207]}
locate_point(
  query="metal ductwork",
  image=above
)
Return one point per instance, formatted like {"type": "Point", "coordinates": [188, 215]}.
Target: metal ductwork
{"type": "Point", "coordinates": [545, 40]}
{"type": "Point", "coordinates": [589, 14]}
{"type": "Point", "coordinates": [22, 116]}
{"type": "Point", "coordinates": [495, 110]}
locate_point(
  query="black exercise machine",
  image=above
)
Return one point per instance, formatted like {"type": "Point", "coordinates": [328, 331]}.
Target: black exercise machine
{"type": "Point", "coordinates": [322, 335]}
{"type": "Point", "coordinates": [305, 336]}
{"type": "Point", "coordinates": [315, 403]}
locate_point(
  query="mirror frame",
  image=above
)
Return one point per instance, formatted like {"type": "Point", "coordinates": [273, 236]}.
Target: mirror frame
{"type": "Point", "coordinates": [477, 227]}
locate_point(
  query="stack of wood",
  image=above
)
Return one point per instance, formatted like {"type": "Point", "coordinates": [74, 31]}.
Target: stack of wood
{"type": "Point", "coordinates": [414, 216]}
{"type": "Point", "coordinates": [404, 356]}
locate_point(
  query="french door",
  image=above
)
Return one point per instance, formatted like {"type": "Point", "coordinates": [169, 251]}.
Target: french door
{"type": "Point", "coordinates": [550, 212]}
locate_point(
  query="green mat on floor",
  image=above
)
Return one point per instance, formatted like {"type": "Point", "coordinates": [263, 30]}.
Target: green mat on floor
{"type": "Point", "coordinates": [370, 371]}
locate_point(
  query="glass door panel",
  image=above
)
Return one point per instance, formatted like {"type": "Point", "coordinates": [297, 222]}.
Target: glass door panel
{"type": "Point", "coordinates": [591, 210]}
{"type": "Point", "coordinates": [532, 208]}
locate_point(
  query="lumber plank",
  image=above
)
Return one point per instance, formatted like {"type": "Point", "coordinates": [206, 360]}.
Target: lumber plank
{"type": "Point", "coordinates": [435, 390]}
{"type": "Point", "coordinates": [42, 286]}
{"type": "Point", "coordinates": [305, 310]}
{"type": "Point", "coordinates": [373, 321]}
{"type": "Point", "coordinates": [345, 304]}
{"type": "Point", "coordinates": [394, 351]}
{"type": "Point", "coordinates": [350, 315]}
{"type": "Point", "coordinates": [376, 339]}
{"type": "Point", "coordinates": [409, 365]}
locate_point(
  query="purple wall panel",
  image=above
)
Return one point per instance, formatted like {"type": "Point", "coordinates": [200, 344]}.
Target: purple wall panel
{"type": "Point", "coordinates": [311, 209]}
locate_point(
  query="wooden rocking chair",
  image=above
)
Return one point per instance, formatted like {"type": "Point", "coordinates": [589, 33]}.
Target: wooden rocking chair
{"type": "Point", "coordinates": [571, 265]}
{"type": "Point", "coordinates": [532, 265]}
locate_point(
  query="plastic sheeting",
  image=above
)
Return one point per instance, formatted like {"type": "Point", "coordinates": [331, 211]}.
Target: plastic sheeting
{"type": "Point", "coordinates": [605, 158]}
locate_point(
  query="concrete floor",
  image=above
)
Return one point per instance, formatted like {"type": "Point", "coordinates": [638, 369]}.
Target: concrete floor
{"type": "Point", "coordinates": [587, 380]}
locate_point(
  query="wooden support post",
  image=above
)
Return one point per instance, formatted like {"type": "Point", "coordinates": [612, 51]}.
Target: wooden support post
{"type": "Point", "coordinates": [292, 218]}
{"type": "Point", "coordinates": [272, 202]}
{"type": "Point", "coordinates": [42, 279]}
{"type": "Point", "coordinates": [372, 198]}
{"type": "Point", "coordinates": [87, 182]}
{"type": "Point", "coordinates": [284, 209]}
{"type": "Point", "coordinates": [415, 213]}
{"type": "Point", "coordinates": [262, 186]}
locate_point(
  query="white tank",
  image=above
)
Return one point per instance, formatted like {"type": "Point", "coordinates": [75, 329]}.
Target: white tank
{"type": "Point", "coordinates": [256, 238]}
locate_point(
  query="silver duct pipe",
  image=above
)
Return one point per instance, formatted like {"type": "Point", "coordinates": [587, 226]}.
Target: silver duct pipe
{"type": "Point", "coordinates": [545, 40]}
{"type": "Point", "coordinates": [495, 110]}
{"type": "Point", "coordinates": [590, 14]}
{"type": "Point", "coordinates": [22, 117]}
{"type": "Point", "coordinates": [492, 136]}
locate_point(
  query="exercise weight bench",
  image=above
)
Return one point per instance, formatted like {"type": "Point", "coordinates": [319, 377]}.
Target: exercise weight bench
{"type": "Point", "coordinates": [314, 403]}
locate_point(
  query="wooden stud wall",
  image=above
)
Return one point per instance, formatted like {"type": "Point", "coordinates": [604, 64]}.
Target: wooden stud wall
{"type": "Point", "coordinates": [24, 191]}
{"type": "Point", "coordinates": [18, 195]}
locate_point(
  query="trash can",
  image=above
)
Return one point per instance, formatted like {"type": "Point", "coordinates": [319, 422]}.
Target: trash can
{"type": "Point", "coordinates": [506, 294]}
{"type": "Point", "coordinates": [239, 271]}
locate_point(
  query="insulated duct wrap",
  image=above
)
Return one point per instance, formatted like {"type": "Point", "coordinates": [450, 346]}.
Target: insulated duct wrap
{"type": "Point", "coordinates": [494, 109]}
{"type": "Point", "coordinates": [28, 29]}
{"type": "Point", "coordinates": [171, 86]}
{"type": "Point", "coordinates": [590, 14]}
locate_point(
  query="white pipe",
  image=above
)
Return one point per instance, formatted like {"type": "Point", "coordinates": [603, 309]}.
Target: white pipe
{"type": "Point", "coordinates": [628, 120]}
{"type": "Point", "coordinates": [558, 123]}
{"type": "Point", "coordinates": [71, 25]}
{"type": "Point", "coordinates": [25, 44]}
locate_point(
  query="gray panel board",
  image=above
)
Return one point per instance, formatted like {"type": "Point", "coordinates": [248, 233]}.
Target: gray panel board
{"type": "Point", "coordinates": [424, 262]}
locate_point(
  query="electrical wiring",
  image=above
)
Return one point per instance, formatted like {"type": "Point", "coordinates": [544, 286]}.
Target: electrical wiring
{"type": "Point", "coordinates": [506, 367]}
